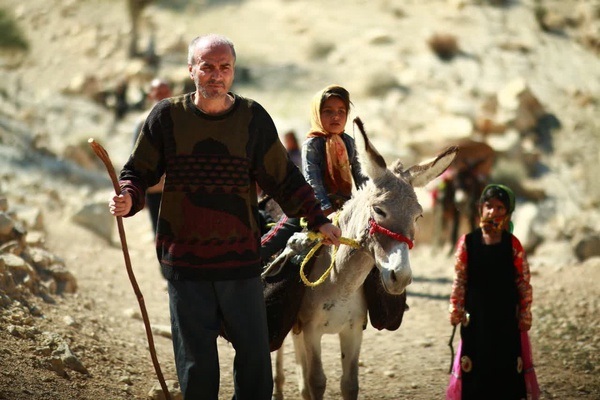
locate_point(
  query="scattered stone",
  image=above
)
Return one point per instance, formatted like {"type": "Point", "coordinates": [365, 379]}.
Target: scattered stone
{"type": "Point", "coordinates": [523, 220]}
{"type": "Point", "coordinates": [156, 392]}
{"type": "Point", "coordinates": [69, 359]}
{"type": "Point", "coordinates": [133, 313]}
{"type": "Point", "coordinates": [6, 224]}
{"type": "Point", "coordinates": [70, 321]}
{"type": "Point", "coordinates": [554, 255]}
{"type": "Point", "coordinates": [162, 330]}
{"type": "Point", "coordinates": [31, 217]}
{"type": "Point", "coordinates": [94, 216]}
{"type": "Point", "coordinates": [586, 246]}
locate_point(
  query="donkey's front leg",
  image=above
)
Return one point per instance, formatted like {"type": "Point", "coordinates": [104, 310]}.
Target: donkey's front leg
{"type": "Point", "coordinates": [308, 352]}
{"type": "Point", "coordinates": [279, 375]}
{"type": "Point", "coordinates": [350, 342]}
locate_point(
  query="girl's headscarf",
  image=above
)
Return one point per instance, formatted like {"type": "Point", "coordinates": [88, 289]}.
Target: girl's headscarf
{"type": "Point", "coordinates": [338, 177]}
{"type": "Point", "coordinates": [507, 197]}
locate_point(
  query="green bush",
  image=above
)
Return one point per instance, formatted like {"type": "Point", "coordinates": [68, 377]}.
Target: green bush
{"type": "Point", "coordinates": [11, 36]}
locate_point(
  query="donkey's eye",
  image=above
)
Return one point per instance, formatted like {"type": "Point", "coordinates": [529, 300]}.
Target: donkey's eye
{"type": "Point", "coordinates": [418, 217]}
{"type": "Point", "coordinates": [379, 211]}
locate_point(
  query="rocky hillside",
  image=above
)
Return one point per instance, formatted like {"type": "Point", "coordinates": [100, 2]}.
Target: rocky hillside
{"type": "Point", "coordinates": [522, 76]}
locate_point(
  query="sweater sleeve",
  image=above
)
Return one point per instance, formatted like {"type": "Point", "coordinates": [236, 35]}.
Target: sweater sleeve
{"type": "Point", "coordinates": [457, 297]}
{"type": "Point", "coordinates": [279, 177]}
{"type": "Point", "coordinates": [522, 280]}
{"type": "Point", "coordinates": [145, 165]}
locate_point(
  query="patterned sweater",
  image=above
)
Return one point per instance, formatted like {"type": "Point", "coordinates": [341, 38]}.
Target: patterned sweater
{"type": "Point", "coordinates": [208, 224]}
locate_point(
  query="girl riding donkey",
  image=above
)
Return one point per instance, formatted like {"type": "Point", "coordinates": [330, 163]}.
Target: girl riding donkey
{"type": "Point", "coordinates": [330, 165]}
{"type": "Point", "coordinates": [378, 224]}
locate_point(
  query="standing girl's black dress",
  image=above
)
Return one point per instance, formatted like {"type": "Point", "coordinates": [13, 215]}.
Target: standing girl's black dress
{"type": "Point", "coordinates": [491, 340]}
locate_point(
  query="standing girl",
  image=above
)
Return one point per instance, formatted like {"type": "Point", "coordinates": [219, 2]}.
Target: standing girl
{"type": "Point", "coordinates": [491, 299]}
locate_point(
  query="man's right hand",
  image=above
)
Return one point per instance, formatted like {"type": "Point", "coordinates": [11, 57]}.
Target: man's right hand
{"type": "Point", "coordinates": [120, 205]}
{"type": "Point", "coordinates": [331, 234]}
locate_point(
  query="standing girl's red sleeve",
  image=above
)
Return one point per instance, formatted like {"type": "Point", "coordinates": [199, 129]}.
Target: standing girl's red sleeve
{"type": "Point", "coordinates": [524, 288]}
{"type": "Point", "coordinates": [457, 297]}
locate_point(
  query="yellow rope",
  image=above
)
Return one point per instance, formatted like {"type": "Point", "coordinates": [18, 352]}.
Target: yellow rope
{"type": "Point", "coordinates": [319, 236]}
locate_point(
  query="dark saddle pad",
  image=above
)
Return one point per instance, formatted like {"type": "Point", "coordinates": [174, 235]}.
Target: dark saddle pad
{"type": "Point", "coordinates": [284, 291]}
{"type": "Point", "coordinates": [283, 294]}
{"type": "Point", "coordinates": [283, 298]}
{"type": "Point", "coordinates": [385, 310]}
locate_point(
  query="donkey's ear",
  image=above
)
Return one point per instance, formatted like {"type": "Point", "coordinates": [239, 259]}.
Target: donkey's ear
{"type": "Point", "coordinates": [421, 174]}
{"type": "Point", "coordinates": [372, 163]}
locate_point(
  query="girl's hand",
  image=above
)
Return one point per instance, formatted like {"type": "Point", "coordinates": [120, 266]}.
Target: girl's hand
{"type": "Point", "coordinates": [456, 317]}
{"type": "Point", "coordinates": [524, 325]}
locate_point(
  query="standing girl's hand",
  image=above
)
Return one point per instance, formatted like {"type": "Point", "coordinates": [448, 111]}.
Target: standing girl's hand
{"type": "Point", "coordinates": [456, 317]}
{"type": "Point", "coordinates": [525, 322]}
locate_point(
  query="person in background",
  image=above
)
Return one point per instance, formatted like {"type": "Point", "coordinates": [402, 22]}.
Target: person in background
{"type": "Point", "coordinates": [159, 89]}
{"type": "Point", "coordinates": [293, 148]}
{"type": "Point", "coordinates": [491, 300]}
{"type": "Point", "coordinates": [269, 211]}
{"type": "Point", "coordinates": [121, 107]}
{"type": "Point", "coordinates": [215, 146]}
{"type": "Point", "coordinates": [329, 163]}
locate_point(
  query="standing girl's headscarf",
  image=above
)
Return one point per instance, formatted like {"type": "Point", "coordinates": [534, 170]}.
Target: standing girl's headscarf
{"type": "Point", "coordinates": [338, 177]}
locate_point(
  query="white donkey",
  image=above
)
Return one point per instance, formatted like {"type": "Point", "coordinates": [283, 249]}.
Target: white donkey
{"type": "Point", "coordinates": [381, 217]}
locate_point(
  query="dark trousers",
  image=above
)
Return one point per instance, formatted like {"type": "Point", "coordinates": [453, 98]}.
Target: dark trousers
{"type": "Point", "coordinates": [199, 309]}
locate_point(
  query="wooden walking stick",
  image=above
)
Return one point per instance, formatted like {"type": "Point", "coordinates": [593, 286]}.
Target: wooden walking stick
{"type": "Point", "coordinates": [451, 345]}
{"type": "Point", "coordinates": [103, 155]}
{"type": "Point", "coordinates": [464, 322]}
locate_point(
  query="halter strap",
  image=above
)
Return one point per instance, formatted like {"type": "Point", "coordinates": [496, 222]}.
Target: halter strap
{"type": "Point", "coordinates": [319, 236]}
{"type": "Point", "coordinates": [374, 227]}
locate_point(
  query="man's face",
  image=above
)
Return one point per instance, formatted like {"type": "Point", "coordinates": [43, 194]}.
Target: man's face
{"type": "Point", "coordinates": [212, 70]}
